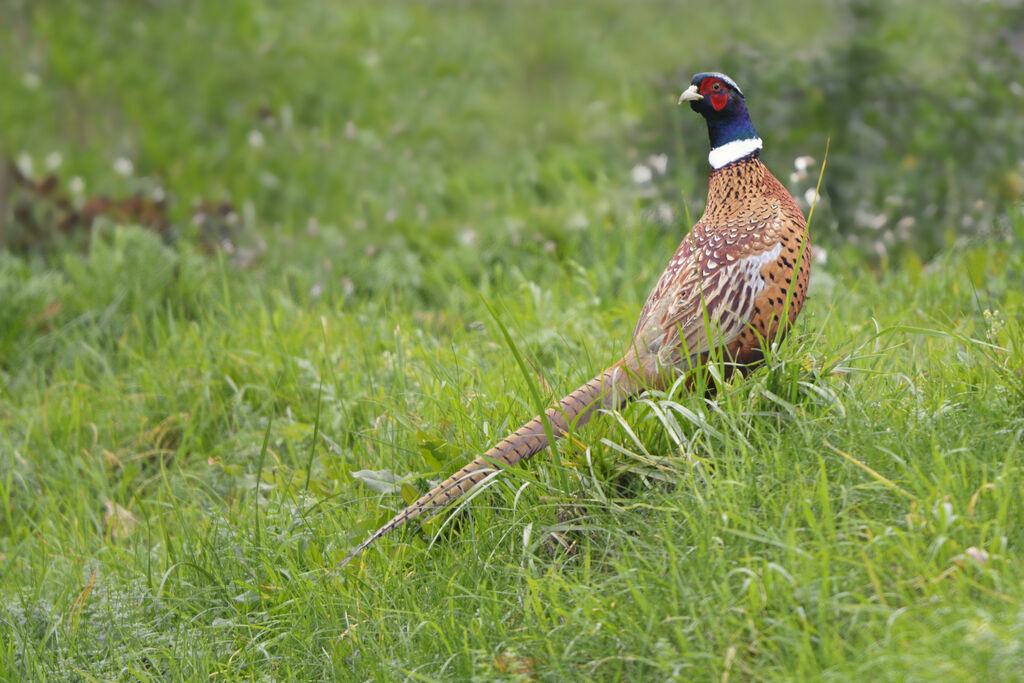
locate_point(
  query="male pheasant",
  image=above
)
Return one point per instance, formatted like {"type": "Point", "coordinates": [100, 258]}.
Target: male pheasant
{"type": "Point", "coordinates": [735, 284]}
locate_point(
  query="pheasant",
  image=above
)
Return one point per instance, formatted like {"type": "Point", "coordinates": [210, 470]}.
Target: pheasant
{"type": "Point", "coordinates": [734, 285]}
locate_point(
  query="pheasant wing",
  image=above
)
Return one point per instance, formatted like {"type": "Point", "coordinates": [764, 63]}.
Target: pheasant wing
{"type": "Point", "coordinates": [704, 300]}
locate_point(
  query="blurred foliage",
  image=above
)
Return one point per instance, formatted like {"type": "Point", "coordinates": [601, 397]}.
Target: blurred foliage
{"type": "Point", "coordinates": [126, 277]}
{"type": "Point", "coordinates": [384, 139]}
{"type": "Point", "coordinates": [919, 157]}
{"type": "Point", "coordinates": [30, 301]}
{"type": "Point", "coordinates": [44, 217]}
{"type": "Point", "coordinates": [924, 107]}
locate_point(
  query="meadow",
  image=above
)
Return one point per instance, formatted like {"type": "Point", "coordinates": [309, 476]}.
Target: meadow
{"type": "Point", "coordinates": [267, 269]}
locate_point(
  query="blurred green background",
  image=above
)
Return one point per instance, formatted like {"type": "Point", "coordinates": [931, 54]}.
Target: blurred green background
{"type": "Point", "coordinates": [387, 136]}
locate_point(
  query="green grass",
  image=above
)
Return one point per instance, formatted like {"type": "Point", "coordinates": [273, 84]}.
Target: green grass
{"type": "Point", "coordinates": [179, 430]}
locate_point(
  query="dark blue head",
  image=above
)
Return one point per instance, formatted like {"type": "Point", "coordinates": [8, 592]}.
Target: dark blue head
{"type": "Point", "coordinates": [720, 101]}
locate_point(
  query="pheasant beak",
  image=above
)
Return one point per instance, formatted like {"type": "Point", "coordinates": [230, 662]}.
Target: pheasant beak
{"type": "Point", "coordinates": [690, 95]}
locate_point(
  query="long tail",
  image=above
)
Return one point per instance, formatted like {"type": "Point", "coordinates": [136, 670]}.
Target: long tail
{"type": "Point", "coordinates": [611, 389]}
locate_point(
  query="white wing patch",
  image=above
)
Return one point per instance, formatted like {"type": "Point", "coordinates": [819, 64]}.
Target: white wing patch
{"type": "Point", "coordinates": [728, 295]}
{"type": "Point", "coordinates": [747, 276]}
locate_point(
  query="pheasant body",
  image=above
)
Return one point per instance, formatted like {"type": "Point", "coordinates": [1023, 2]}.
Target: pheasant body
{"type": "Point", "coordinates": [736, 283]}
{"type": "Point", "coordinates": [743, 265]}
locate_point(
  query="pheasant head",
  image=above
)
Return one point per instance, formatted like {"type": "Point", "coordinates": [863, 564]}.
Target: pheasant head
{"type": "Point", "coordinates": [720, 101]}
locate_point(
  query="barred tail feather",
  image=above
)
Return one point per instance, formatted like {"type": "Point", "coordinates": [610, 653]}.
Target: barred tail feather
{"type": "Point", "coordinates": [611, 389]}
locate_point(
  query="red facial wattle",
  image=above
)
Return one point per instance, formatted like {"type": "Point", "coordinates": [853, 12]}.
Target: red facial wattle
{"type": "Point", "coordinates": [718, 97]}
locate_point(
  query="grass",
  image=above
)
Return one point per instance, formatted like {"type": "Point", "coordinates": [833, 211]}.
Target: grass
{"type": "Point", "coordinates": [179, 429]}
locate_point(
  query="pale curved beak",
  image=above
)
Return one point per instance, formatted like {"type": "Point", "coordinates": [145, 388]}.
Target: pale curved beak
{"type": "Point", "coordinates": [690, 95]}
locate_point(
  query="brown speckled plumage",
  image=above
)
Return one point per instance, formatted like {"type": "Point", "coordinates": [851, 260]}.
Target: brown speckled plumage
{"type": "Point", "coordinates": [734, 273]}
{"type": "Point", "coordinates": [742, 269]}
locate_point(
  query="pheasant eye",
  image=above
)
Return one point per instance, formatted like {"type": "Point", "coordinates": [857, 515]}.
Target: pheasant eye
{"type": "Point", "coordinates": [716, 86]}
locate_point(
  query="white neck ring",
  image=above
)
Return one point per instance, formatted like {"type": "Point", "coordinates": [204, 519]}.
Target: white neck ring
{"type": "Point", "coordinates": [733, 151]}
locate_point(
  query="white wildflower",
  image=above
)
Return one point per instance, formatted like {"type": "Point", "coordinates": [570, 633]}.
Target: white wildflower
{"type": "Point", "coordinates": [664, 214]}
{"type": "Point", "coordinates": [255, 139]}
{"type": "Point", "coordinates": [659, 162]}
{"type": "Point", "coordinates": [269, 180]}
{"type": "Point", "coordinates": [53, 161]}
{"type": "Point", "coordinates": [641, 174]}
{"type": "Point", "coordinates": [875, 221]}
{"type": "Point", "coordinates": [123, 166]}
{"type": "Point", "coordinates": [977, 554]}
{"type": "Point", "coordinates": [801, 164]}
{"type": "Point", "coordinates": [24, 164]}
{"type": "Point", "coordinates": [76, 185]}
{"type": "Point", "coordinates": [577, 220]}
